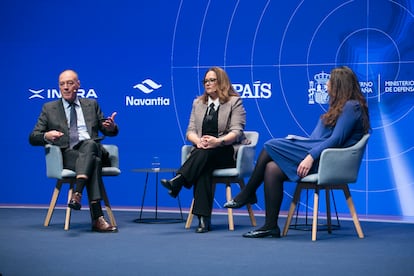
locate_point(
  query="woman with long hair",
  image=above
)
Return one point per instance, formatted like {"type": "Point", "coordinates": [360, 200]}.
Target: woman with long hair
{"type": "Point", "coordinates": [290, 158]}
{"type": "Point", "coordinates": [215, 129]}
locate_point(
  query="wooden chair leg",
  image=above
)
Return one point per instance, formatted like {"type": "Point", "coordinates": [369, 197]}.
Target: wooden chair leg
{"type": "Point", "coordinates": [54, 199]}
{"type": "Point", "coordinates": [292, 208]}
{"type": "Point", "coordinates": [52, 204]}
{"type": "Point", "coordinates": [249, 206]}
{"type": "Point", "coordinates": [68, 210]}
{"type": "Point", "coordinates": [190, 216]}
{"type": "Point", "coordinates": [315, 213]}
{"type": "Point", "coordinates": [108, 206]}
{"type": "Point", "coordinates": [352, 210]}
{"type": "Point", "coordinates": [229, 210]}
{"type": "Point", "coordinates": [251, 215]}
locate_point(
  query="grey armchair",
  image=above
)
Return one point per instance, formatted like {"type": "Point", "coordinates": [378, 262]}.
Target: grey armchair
{"type": "Point", "coordinates": [54, 169]}
{"type": "Point", "coordinates": [244, 167]}
{"type": "Point", "coordinates": [338, 167]}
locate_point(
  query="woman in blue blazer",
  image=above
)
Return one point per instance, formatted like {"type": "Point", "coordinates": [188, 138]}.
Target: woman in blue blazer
{"type": "Point", "coordinates": [290, 158]}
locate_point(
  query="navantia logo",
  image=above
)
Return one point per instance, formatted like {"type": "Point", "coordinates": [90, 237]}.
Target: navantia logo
{"type": "Point", "coordinates": [147, 86]}
{"type": "Point", "coordinates": [257, 90]}
{"type": "Point", "coordinates": [52, 93]}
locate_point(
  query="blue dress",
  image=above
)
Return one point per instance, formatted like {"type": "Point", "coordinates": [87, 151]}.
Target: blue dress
{"type": "Point", "coordinates": [290, 151]}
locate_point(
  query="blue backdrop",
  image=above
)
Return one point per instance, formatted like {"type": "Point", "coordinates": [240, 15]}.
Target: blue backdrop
{"type": "Point", "coordinates": [146, 60]}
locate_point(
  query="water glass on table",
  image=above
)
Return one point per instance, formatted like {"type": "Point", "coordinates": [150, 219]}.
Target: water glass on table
{"type": "Point", "coordinates": [155, 164]}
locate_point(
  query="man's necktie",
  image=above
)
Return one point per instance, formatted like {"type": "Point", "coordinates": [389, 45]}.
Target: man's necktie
{"type": "Point", "coordinates": [212, 110]}
{"type": "Point", "coordinates": [73, 127]}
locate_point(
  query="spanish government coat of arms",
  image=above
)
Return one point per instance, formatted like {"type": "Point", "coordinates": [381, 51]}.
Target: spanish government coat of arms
{"type": "Point", "coordinates": [318, 91]}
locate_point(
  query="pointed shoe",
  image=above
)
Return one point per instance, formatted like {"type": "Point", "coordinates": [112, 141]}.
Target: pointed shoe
{"type": "Point", "coordinates": [236, 205]}
{"type": "Point", "coordinates": [274, 233]}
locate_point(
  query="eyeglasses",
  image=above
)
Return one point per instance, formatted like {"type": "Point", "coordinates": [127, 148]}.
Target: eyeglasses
{"type": "Point", "coordinates": [209, 81]}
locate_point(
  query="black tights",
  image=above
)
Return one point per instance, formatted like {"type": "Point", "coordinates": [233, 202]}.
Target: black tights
{"type": "Point", "coordinates": [267, 171]}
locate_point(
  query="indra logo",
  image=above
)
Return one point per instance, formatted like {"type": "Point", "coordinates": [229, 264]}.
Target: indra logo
{"type": "Point", "coordinates": [148, 87]}
{"type": "Point", "coordinates": [52, 93]}
{"type": "Point", "coordinates": [36, 93]}
{"type": "Point", "coordinates": [318, 91]}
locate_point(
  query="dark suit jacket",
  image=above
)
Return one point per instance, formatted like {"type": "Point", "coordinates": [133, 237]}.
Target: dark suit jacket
{"type": "Point", "coordinates": [52, 117]}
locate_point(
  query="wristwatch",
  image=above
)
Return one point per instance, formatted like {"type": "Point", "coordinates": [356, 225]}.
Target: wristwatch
{"type": "Point", "coordinates": [223, 143]}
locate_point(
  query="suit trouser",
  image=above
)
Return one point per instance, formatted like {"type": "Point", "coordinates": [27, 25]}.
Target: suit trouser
{"type": "Point", "coordinates": [198, 170]}
{"type": "Point", "coordinates": [86, 158]}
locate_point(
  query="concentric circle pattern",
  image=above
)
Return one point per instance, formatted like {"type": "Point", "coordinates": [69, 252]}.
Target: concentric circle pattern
{"type": "Point", "coordinates": [279, 55]}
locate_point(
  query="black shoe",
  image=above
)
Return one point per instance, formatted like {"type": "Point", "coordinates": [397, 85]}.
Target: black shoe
{"type": "Point", "coordinates": [75, 201]}
{"type": "Point", "coordinates": [173, 185]}
{"type": "Point", "coordinates": [204, 224]}
{"type": "Point", "coordinates": [236, 205]}
{"type": "Point", "coordinates": [275, 233]}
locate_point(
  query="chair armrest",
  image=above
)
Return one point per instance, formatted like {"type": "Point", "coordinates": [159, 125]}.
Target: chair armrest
{"type": "Point", "coordinates": [54, 161]}
{"type": "Point", "coordinates": [185, 151]}
{"type": "Point", "coordinates": [245, 160]}
{"type": "Point", "coordinates": [113, 154]}
{"type": "Point", "coordinates": [341, 165]}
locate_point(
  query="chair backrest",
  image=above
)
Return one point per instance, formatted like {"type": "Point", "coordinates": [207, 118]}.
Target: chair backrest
{"type": "Point", "coordinates": [341, 165]}
{"type": "Point", "coordinates": [253, 136]}
{"type": "Point", "coordinates": [114, 157]}
{"type": "Point", "coordinates": [185, 151]}
{"type": "Point", "coordinates": [246, 155]}
{"type": "Point", "coordinates": [113, 154]}
{"type": "Point", "coordinates": [54, 162]}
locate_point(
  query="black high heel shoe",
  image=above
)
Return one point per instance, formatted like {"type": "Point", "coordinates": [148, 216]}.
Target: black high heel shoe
{"type": "Point", "coordinates": [262, 233]}
{"type": "Point", "coordinates": [236, 204]}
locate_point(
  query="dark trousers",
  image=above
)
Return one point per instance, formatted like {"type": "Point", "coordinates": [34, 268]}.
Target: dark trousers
{"type": "Point", "coordinates": [197, 171]}
{"type": "Point", "coordinates": [87, 158]}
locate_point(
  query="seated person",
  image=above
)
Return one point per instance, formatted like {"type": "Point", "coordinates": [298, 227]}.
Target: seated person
{"type": "Point", "coordinates": [73, 123]}
{"type": "Point", "coordinates": [215, 129]}
{"type": "Point", "coordinates": [289, 159]}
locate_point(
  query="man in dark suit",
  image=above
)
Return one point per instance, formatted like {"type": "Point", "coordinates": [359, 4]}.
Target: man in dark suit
{"type": "Point", "coordinates": [73, 124]}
